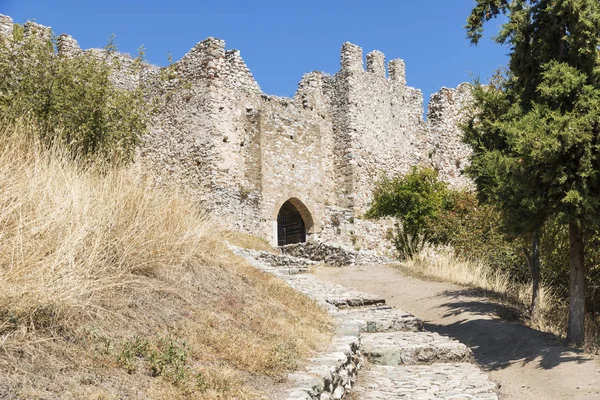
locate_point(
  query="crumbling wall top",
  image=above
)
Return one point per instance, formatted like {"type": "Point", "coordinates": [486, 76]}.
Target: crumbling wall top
{"type": "Point", "coordinates": [376, 63]}
{"type": "Point", "coordinates": [447, 102]}
{"type": "Point", "coordinates": [34, 29]}
{"type": "Point", "coordinates": [238, 73]}
{"type": "Point", "coordinates": [6, 25]}
{"type": "Point", "coordinates": [352, 58]}
{"type": "Point", "coordinates": [397, 71]}
{"type": "Point", "coordinates": [67, 46]}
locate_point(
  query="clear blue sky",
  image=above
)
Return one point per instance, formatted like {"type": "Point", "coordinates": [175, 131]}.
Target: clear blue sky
{"type": "Point", "coordinates": [281, 40]}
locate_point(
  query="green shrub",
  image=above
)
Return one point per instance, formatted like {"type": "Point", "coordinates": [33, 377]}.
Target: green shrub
{"type": "Point", "coordinates": [162, 356]}
{"type": "Point", "coordinates": [427, 211]}
{"type": "Point", "coordinates": [72, 99]}
{"type": "Point", "coordinates": [475, 231]}
{"type": "Point", "coordinates": [415, 200]}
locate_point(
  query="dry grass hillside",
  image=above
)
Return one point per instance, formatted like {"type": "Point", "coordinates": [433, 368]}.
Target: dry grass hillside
{"type": "Point", "coordinates": [112, 289]}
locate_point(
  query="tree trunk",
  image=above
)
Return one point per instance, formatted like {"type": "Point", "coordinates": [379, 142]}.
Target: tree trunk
{"type": "Point", "coordinates": [575, 333]}
{"type": "Point", "coordinates": [535, 273]}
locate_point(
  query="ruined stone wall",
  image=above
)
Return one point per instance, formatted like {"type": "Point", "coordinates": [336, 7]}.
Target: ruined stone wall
{"type": "Point", "coordinates": [241, 154]}
{"type": "Point", "coordinates": [257, 151]}
{"type": "Point", "coordinates": [6, 26]}
{"type": "Point", "coordinates": [202, 139]}
{"type": "Point", "coordinates": [447, 153]}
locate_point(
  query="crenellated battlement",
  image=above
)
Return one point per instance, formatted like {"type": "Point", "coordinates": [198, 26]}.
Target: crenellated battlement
{"type": "Point", "coordinates": [352, 62]}
{"type": "Point", "coordinates": [352, 58]}
{"type": "Point", "coordinates": [397, 71]}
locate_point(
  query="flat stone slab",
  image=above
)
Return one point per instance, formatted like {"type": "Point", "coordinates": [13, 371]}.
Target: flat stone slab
{"type": "Point", "coordinates": [425, 382]}
{"type": "Point", "coordinates": [337, 295]}
{"type": "Point", "coordinates": [324, 293]}
{"type": "Point", "coordinates": [402, 348]}
{"type": "Point", "coordinates": [382, 319]}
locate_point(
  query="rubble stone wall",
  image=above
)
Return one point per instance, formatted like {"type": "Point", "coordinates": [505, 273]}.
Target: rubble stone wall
{"type": "Point", "coordinates": [241, 154]}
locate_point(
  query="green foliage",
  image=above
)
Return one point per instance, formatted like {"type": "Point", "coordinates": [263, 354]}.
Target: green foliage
{"type": "Point", "coordinates": [415, 200]}
{"type": "Point", "coordinates": [474, 230]}
{"type": "Point", "coordinates": [555, 262]}
{"type": "Point", "coordinates": [72, 99]}
{"type": "Point", "coordinates": [18, 33]}
{"type": "Point", "coordinates": [162, 357]}
{"type": "Point", "coordinates": [427, 211]}
{"type": "Point", "coordinates": [131, 351]}
{"type": "Point", "coordinates": [535, 131]}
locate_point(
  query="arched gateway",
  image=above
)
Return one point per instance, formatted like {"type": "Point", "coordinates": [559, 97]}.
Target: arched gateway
{"type": "Point", "coordinates": [293, 222]}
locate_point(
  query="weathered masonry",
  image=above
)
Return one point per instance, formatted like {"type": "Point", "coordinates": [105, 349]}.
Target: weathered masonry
{"type": "Point", "coordinates": [260, 162]}
{"type": "Point", "coordinates": [291, 169]}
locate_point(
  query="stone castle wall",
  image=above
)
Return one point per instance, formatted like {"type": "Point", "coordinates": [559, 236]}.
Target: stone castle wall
{"type": "Point", "coordinates": [242, 154]}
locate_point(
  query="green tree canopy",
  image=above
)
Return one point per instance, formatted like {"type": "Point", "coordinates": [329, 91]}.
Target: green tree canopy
{"type": "Point", "coordinates": [535, 130]}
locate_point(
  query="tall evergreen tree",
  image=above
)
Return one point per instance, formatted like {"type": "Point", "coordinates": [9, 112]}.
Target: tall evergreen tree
{"type": "Point", "coordinates": [535, 131]}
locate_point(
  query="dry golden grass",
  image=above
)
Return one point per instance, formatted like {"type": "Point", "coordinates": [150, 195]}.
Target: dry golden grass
{"type": "Point", "coordinates": [110, 289]}
{"type": "Point", "coordinates": [249, 242]}
{"type": "Point", "coordinates": [441, 264]}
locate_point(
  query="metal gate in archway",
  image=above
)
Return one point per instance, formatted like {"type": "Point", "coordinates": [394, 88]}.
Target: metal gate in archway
{"type": "Point", "coordinates": [291, 228]}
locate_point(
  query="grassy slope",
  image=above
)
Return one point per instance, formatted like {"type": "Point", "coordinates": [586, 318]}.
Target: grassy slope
{"type": "Point", "coordinates": [112, 289]}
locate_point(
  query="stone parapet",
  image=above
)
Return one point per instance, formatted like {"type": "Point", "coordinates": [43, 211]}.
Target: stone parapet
{"type": "Point", "coordinates": [397, 71]}
{"type": "Point", "coordinates": [352, 58]}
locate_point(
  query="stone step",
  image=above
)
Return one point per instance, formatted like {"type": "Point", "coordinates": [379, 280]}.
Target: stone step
{"type": "Point", "coordinates": [355, 300]}
{"type": "Point", "coordinates": [425, 382]}
{"type": "Point", "coordinates": [336, 295]}
{"type": "Point", "coordinates": [402, 348]}
{"type": "Point", "coordinates": [331, 374]}
{"type": "Point", "coordinates": [382, 319]}
{"type": "Point", "coordinates": [293, 270]}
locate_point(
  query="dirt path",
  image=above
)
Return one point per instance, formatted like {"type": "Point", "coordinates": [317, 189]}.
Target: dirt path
{"type": "Point", "coordinates": [526, 363]}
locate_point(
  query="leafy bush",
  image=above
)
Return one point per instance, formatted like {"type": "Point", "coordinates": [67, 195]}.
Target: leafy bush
{"type": "Point", "coordinates": [415, 200]}
{"type": "Point", "coordinates": [427, 211]}
{"type": "Point", "coordinates": [475, 232]}
{"type": "Point", "coordinates": [72, 99]}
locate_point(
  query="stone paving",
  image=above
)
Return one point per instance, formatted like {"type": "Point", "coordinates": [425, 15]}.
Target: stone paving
{"type": "Point", "coordinates": [403, 361]}
{"type": "Point", "coordinates": [425, 382]}
{"type": "Point", "coordinates": [336, 295]}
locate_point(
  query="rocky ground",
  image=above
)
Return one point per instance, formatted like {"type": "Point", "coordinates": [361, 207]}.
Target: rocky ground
{"type": "Point", "coordinates": [378, 351]}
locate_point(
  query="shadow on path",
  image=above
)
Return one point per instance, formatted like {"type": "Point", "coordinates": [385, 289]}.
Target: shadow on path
{"type": "Point", "coordinates": [496, 336]}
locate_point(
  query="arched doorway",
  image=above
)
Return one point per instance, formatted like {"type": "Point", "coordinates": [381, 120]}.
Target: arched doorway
{"type": "Point", "coordinates": [291, 228]}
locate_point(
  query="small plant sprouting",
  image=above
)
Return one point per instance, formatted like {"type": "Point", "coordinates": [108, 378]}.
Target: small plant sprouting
{"type": "Point", "coordinates": [162, 356]}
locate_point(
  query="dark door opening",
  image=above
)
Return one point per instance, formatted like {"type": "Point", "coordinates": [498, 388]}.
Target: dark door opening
{"type": "Point", "coordinates": [290, 225]}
